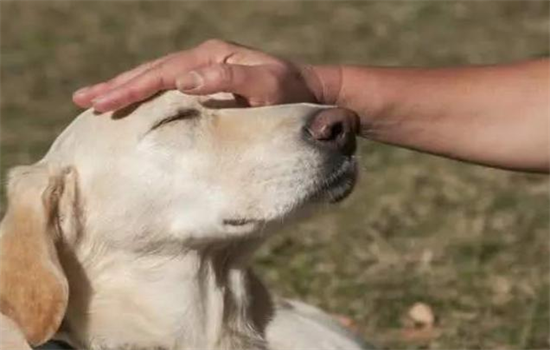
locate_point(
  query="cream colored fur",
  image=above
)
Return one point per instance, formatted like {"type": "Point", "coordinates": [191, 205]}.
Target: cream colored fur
{"type": "Point", "coordinates": [151, 223]}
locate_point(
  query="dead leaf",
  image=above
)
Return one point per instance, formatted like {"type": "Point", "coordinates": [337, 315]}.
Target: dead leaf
{"type": "Point", "coordinates": [422, 315]}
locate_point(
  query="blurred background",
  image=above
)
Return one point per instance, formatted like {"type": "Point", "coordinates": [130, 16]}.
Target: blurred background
{"type": "Point", "coordinates": [469, 244]}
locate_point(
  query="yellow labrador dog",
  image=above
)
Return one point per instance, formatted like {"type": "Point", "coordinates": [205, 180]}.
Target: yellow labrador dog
{"type": "Point", "coordinates": [135, 231]}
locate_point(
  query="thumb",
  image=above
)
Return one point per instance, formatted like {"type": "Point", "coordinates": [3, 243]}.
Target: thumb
{"type": "Point", "coordinates": [250, 82]}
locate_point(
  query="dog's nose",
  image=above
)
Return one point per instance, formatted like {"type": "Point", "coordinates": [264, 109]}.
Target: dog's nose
{"type": "Point", "coordinates": [334, 129]}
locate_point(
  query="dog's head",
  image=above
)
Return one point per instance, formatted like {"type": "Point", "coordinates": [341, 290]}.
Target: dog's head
{"type": "Point", "coordinates": [169, 171]}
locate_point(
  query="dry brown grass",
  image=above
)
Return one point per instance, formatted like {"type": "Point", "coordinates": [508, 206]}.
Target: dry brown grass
{"type": "Point", "coordinates": [470, 242]}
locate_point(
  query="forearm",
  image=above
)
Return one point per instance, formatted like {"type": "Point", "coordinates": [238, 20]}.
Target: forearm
{"type": "Point", "coordinates": [492, 115]}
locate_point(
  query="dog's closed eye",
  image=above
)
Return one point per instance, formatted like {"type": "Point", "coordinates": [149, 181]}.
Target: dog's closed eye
{"type": "Point", "coordinates": [180, 115]}
{"type": "Point", "coordinates": [237, 222]}
{"type": "Point", "coordinates": [240, 225]}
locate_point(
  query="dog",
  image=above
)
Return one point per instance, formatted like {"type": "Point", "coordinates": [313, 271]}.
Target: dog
{"type": "Point", "coordinates": [136, 229]}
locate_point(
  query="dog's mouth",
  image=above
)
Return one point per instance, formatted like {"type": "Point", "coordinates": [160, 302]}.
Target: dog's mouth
{"type": "Point", "coordinates": [339, 183]}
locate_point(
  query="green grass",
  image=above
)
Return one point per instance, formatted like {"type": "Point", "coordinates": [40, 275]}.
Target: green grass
{"type": "Point", "coordinates": [470, 242]}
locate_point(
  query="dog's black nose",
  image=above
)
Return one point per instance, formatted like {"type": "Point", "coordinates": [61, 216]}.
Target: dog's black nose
{"type": "Point", "coordinates": [334, 129]}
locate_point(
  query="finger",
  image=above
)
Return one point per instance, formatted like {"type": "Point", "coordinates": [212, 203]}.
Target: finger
{"type": "Point", "coordinates": [84, 96]}
{"type": "Point", "coordinates": [127, 76]}
{"type": "Point", "coordinates": [137, 89]}
{"type": "Point", "coordinates": [257, 84]}
{"type": "Point", "coordinates": [160, 77]}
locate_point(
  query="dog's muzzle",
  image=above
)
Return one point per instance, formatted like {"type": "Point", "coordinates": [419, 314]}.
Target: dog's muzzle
{"type": "Point", "coordinates": [333, 131]}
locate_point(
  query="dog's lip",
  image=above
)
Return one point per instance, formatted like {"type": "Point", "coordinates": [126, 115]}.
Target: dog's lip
{"type": "Point", "coordinates": [339, 184]}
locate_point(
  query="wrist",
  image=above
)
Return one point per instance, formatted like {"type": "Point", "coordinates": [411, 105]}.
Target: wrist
{"type": "Point", "coordinates": [325, 82]}
{"type": "Point", "coordinates": [372, 93]}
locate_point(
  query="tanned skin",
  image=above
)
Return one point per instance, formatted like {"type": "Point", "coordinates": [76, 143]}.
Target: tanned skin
{"type": "Point", "coordinates": [495, 115]}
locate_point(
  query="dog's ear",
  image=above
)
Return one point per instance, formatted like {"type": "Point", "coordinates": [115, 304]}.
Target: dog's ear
{"type": "Point", "coordinates": [33, 287]}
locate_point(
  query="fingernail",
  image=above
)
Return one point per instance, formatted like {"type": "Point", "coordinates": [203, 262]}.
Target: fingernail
{"type": "Point", "coordinates": [190, 81]}
{"type": "Point", "coordinates": [82, 90]}
{"type": "Point", "coordinates": [100, 103]}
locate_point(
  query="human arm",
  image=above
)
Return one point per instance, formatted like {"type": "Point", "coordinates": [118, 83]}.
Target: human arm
{"type": "Point", "coordinates": [492, 115]}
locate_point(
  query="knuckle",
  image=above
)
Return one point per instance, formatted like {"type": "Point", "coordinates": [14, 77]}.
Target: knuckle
{"type": "Point", "coordinates": [223, 74]}
{"type": "Point", "coordinates": [131, 95]}
{"type": "Point", "coordinates": [162, 74]}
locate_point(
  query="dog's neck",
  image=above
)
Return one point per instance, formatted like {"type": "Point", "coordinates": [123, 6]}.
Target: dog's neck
{"type": "Point", "coordinates": [199, 298]}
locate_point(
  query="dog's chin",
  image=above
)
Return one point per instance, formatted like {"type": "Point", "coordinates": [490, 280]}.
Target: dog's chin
{"type": "Point", "coordinates": [337, 184]}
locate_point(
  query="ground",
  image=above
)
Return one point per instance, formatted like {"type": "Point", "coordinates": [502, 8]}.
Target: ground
{"type": "Point", "coordinates": [469, 242]}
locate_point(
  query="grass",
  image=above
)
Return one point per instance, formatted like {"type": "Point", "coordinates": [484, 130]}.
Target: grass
{"type": "Point", "coordinates": [470, 242]}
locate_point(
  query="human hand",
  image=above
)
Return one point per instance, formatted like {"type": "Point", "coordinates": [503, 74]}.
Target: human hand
{"type": "Point", "coordinates": [214, 66]}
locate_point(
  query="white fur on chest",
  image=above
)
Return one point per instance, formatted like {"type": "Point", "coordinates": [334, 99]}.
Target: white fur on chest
{"type": "Point", "coordinates": [165, 302]}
